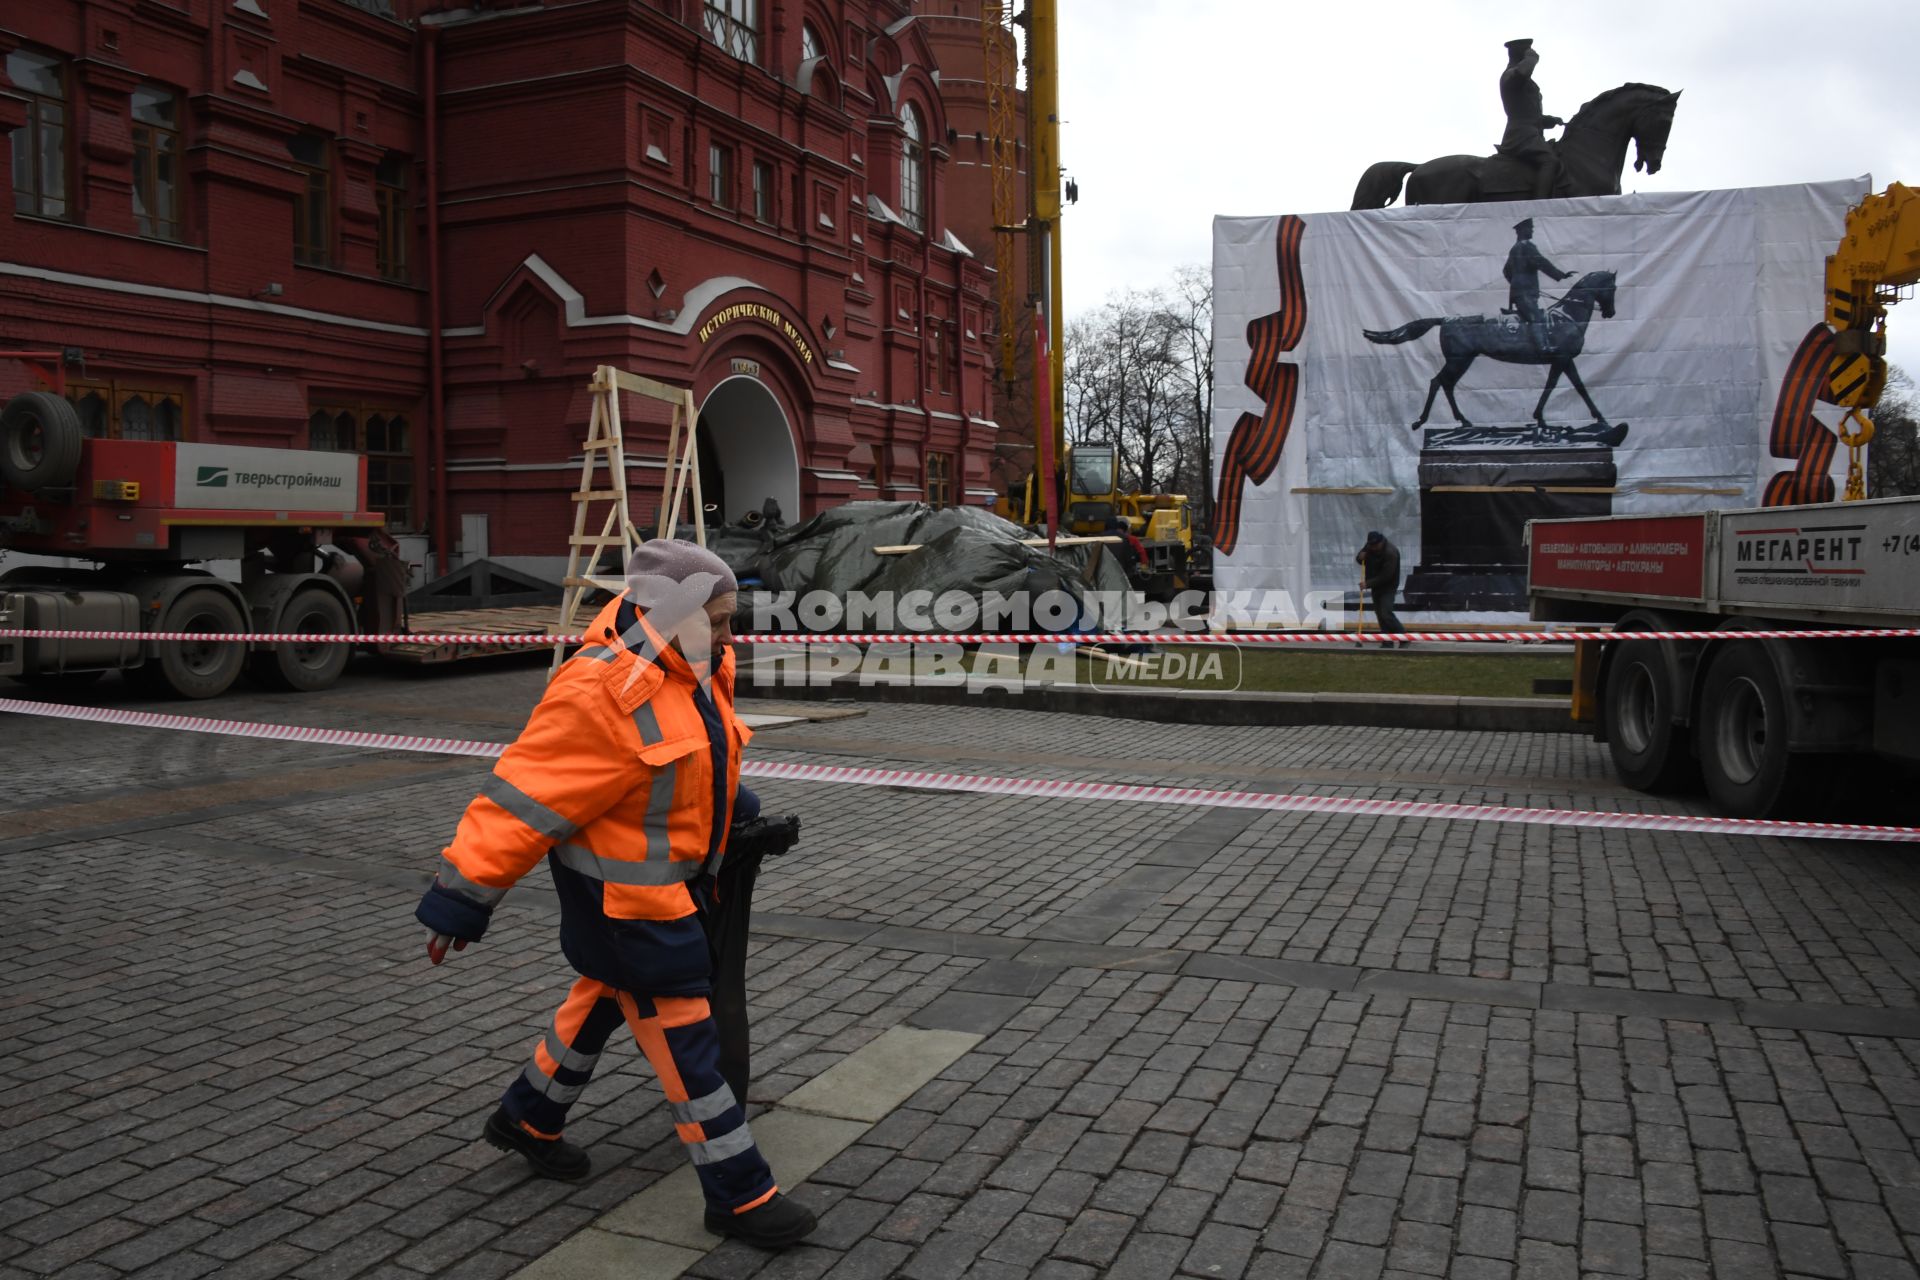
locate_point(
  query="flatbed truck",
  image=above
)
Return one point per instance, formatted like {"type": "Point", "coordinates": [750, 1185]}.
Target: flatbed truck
{"type": "Point", "coordinates": [1765, 724]}
{"type": "Point", "coordinates": [149, 515]}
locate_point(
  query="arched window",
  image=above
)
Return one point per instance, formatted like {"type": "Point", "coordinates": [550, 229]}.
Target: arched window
{"type": "Point", "coordinates": [115, 408]}
{"type": "Point", "coordinates": [734, 25]}
{"type": "Point", "coordinates": [811, 45]}
{"type": "Point", "coordinates": [913, 155]}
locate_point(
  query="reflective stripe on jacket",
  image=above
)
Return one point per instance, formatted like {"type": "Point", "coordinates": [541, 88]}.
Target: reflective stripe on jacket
{"type": "Point", "coordinates": [625, 774]}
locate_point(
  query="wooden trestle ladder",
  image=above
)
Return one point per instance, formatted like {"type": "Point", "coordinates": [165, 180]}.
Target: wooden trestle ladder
{"type": "Point", "coordinates": [587, 571]}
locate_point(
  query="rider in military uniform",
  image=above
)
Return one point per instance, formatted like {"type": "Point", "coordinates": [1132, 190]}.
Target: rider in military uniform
{"type": "Point", "coordinates": [1525, 139]}
{"type": "Point", "coordinates": [1524, 265]}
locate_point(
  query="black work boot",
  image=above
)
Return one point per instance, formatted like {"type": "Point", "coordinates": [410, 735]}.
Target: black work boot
{"type": "Point", "coordinates": [550, 1157]}
{"type": "Point", "coordinates": [773, 1225]}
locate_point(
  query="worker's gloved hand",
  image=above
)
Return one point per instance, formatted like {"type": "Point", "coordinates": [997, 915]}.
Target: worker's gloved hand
{"type": "Point", "coordinates": [452, 916]}
{"type": "Point", "coordinates": [437, 945]}
{"type": "Point", "coordinates": [763, 836]}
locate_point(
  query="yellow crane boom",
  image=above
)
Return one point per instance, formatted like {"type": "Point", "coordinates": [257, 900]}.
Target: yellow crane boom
{"type": "Point", "coordinates": [1878, 255]}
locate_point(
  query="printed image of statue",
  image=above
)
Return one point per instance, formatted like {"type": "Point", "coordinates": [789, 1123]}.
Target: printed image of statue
{"type": "Point", "coordinates": [1524, 333]}
{"type": "Point", "coordinates": [1527, 122]}
{"type": "Point", "coordinates": [1525, 263]}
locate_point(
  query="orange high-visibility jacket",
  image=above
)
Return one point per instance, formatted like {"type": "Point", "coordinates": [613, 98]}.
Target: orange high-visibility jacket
{"type": "Point", "coordinates": [624, 779]}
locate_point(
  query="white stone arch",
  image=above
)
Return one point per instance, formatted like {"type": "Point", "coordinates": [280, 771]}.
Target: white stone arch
{"type": "Point", "coordinates": [752, 443]}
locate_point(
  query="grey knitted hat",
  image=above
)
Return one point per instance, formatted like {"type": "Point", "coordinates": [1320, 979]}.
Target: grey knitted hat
{"type": "Point", "coordinates": [676, 578]}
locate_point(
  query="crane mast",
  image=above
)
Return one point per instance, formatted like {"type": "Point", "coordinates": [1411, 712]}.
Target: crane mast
{"type": "Point", "coordinates": [1039, 219]}
{"type": "Point", "coordinates": [998, 53]}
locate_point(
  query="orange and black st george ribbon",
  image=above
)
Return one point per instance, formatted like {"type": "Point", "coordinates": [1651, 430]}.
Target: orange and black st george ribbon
{"type": "Point", "coordinates": [1253, 449]}
{"type": "Point", "coordinates": [1797, 434]}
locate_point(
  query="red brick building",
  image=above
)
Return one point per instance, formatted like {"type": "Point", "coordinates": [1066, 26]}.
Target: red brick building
{"type": "Point", "coordinates": [234, 209]}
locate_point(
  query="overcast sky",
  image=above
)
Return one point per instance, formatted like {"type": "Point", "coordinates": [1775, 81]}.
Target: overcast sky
{"type": "Point", "coordinates": [1177, 110]}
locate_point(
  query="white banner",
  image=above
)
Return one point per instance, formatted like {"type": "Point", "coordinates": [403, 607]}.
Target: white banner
{"type": "Point", "coordinates": [1677, 313]}
{"type": "Point", "coordinates": [240, 478]}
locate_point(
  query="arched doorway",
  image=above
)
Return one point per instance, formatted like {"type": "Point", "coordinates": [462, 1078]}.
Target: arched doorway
{"type": "Point", "coordinates": [746, 452]}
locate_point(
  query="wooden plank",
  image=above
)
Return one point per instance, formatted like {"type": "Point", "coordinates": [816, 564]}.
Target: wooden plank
{"type": "Point", "coordinates": [1024, 542]}
{"type": "Point", "coordinates": [699, 502]}
{"type": "Point", "coordinates": [532, 625]}
{"type": "Point", "coordinates": [679, 473]}
{"type": "Point", "coordinates": [642, 385]}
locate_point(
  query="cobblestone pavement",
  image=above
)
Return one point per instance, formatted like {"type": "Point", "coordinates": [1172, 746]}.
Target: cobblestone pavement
{"type": "Point", "coordinates": [1217, 1043]}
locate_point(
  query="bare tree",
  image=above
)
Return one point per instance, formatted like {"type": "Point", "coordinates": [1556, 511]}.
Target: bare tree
{"type": "Point", "coordinates": [1893, 455]}
{"type": "Point", "coordinates": [1192, 302]}
{"type": "Point", "coordinates": [1127, 385]}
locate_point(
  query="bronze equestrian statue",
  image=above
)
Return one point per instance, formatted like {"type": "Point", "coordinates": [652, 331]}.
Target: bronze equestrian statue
{"type": "Point", "coordinates": [1587, 160]}
{"type": "Point", "coordinates": [1527, 121]}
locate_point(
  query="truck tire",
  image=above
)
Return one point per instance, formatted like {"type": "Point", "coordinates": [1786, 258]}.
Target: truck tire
{"type": "Point", "coordinates": [1650, 752]}
{"type": "Point", "coordinates": [203, 669]}
{"type": "Point", "coordinates": [306, 668]}
{"type": "Point", "coordinates": [1742, 737]}
{"type": "Point", "coordinates": [39, 441]}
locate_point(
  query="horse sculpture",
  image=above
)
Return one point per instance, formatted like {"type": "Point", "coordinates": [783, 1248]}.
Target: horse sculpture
{"type": "Point", "coordinates": [1464, 339]}
{"type": "Point", "coordinates": [1592, 154]}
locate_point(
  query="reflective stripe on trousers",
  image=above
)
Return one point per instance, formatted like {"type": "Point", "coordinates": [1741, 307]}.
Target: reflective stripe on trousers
{"type": "Point", "coordinates": [678, 1035]}
{"type": "Point", "coordinates": [563, 1061]}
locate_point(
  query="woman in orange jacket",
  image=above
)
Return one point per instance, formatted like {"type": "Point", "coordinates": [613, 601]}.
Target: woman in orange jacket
{"type": "Point", "coordinates": [627, 781]}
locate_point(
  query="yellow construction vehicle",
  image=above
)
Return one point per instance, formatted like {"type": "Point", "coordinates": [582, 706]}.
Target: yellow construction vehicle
{"type": "Point", "coordinates": [1879, 255]}
{"type": "Point", "coordinates": [1168, 562]}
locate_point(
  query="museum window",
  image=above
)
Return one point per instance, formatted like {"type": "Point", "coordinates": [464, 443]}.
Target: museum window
{"type": "Point", "coordinates": [395, 224]}
{"type": "Point", "coordinates": [40, 145]}
{"type": "Point", "coordinates": [127, 408]}
{"type": "Point", "coordinates": [939, 479]}
{"type": "Point", "coordinates": [156, 163]}
{"type": "Point", "coordinates": [811, 45]}
{"type": "Point", "coordinates": [385, 436]}
{"type": "Point", "coordinates": [734, 25]}
{"type": "Point", "coordinates": [313, 206]}
{"type": "Point", "coordinates": [763, 191]}
{"type": "Point", "coordinates": [720, 175]}
{"type": "Point", "coordinates": [912, 162]}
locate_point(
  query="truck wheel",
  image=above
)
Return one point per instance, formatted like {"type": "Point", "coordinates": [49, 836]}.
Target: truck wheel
{"type": "Point", "coordinates": [1650, 752]}
{"type": "Point", "coordinates": [307, 668]}
{"type": "Point", "coordinates": [39, 441]}
{"type": "Point", "coordinates": [202, 668]}
{"type": "Point", "coordinates": [1743, 737]}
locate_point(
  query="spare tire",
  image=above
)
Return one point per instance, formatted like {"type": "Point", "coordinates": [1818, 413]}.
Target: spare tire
{"type": "Point", "coordinates": [39, 441]}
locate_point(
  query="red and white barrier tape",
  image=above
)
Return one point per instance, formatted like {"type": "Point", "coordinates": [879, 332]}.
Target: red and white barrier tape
{"type": "Point", "coordinates": [251, 729]}
{"type": "Point", "coordinates": [1033, 787]}
{"type": "Point", "coordinates": [985, 637]}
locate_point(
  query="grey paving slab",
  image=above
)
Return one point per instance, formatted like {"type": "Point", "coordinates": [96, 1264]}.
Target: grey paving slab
{"type": "Point", "coordinates": [871, 1081]}
{"type": "Point", "coordinates": [968, 1011]}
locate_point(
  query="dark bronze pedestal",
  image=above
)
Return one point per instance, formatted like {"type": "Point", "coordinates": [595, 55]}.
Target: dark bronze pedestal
{"type": "Point", "coordinates": [1474, 508]}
